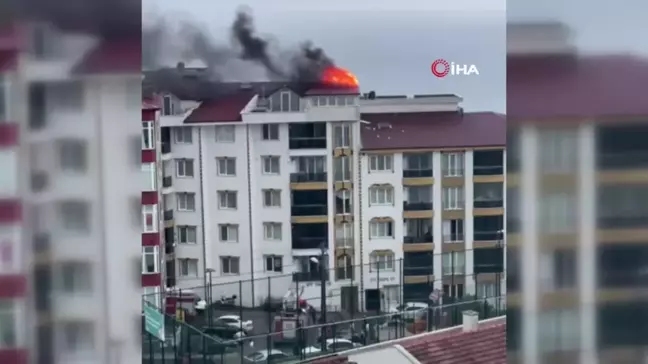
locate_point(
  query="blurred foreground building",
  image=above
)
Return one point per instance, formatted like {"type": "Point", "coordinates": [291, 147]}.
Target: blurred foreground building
{"type": "Point", "coordinates": [403, 195]}
{"type": "Point", "coordinates": [578, 202]}
{"type": "Point", "coordinates": [70, 210]}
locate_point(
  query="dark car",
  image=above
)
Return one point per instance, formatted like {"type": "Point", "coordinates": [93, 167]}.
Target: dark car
{"type": "Point", "coordinates": [224, 330]}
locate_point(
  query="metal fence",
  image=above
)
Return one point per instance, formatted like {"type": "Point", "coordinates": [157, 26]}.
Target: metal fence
{"type": "Point", "coordinates": [363, 302]}
{"type": "Point", "coordinates": [188, 344]}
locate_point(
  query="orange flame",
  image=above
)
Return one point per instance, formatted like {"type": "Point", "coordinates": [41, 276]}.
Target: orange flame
{"type": "Point", "coordinates": [339, 77]}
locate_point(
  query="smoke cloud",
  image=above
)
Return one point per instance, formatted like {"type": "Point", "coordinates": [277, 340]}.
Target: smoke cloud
{"type": "Point", "coordinates": [247, 53]}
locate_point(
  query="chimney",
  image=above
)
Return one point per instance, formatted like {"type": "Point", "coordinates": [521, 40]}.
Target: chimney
{"type": "Point", "coordinates": [470, 321]}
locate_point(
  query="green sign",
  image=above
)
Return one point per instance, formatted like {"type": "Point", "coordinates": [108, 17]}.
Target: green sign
{"type": "Point", "coordinates": [154, 322]}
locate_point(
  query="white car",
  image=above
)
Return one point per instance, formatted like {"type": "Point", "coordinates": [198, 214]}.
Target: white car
{"type": "Point", "coordinates": [235, 322]}
{"type": "Point", "coordinates": [409, 310]}
{"type": "Point", "coordinates": [332, 345]}
{"type": "Point", "coordinates": [265, 356]}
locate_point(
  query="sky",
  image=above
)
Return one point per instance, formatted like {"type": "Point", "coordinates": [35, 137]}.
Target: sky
{"type": "Point", "coordinates": [391, 46]}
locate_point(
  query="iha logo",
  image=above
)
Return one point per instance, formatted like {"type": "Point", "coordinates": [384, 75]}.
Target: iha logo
{"type": "Point", "coordinates": [442, 68]}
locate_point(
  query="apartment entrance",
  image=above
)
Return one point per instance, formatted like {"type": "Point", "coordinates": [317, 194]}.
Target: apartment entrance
{"type": "Point", "coordinates": [349, 299]}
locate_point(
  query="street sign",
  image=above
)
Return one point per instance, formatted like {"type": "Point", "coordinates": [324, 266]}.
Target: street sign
{"type": "Point", "coordinates": [154, 322]}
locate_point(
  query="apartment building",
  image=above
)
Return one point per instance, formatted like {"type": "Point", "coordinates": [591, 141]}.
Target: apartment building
{"type": "Point", "coordinates": [71, 137]}
{"type": "Point", "coordinates": [261, 183]}
{"type": "Point", "coordinates": [433, 197]}
{"type": "Point", "coordinates": [577, 232]}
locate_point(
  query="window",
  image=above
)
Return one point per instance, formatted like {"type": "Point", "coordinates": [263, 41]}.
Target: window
{"type": "Point", "coordinates": [149, 218]}
{"type": "Point", "coordinates": [186, 201]}
{"type": "Point", "coordinates": [344, 235]}
{"type": "Point", "coordinates": [342, 136]}
{"type": "Point", "coordinates": [342, 168]}
{"type": "Point", "coordinates": [270, 132]}
{"type": "Point", "coordinates": [381, 163]}
{"type": "Point", "coordinates": [271, 198]}
{"type": "Point", "coordinates": [184, 168]}
{"type": "Point", "coordinates": [418, 194]}
{"type": "Point", "coordinates": [229, 233]}
{"type": "Point", "coordinates": [453, 198]}
{"type": "Point", "coordinates": [310, 164]}
{"type": "Point", "coordinates": [453, 231]}
{"type": "Point", "coordinates": [559, 331]}
{"type": "Point", "coordinates": [183, 134]}
{"type": "Point", "coordinates": [227, 200]}
{"type": "Point", "coordinates": [168, 106]}
{"type": "Point", "coordinates": [151, 176]}
{"type": "Point", "coordinates": [486, 290]}
{"type": "Point", "coordinates": [344, 267]}
{"type": "Point", "coordinates": [230, 265]}
{"type": "Point", "coordinates": [226, 166]}
{"type": "Point", "coordinates": [75, 277]}
{"type": "Point", "coordinates": [417, 162]}
{"type": "Point", "coordinates": [270, 164]}
{"type": "Point", "coordinates": [454, 263]}
{"type": "Point", "coordinates": [285, 101]}
{"type": "Point", "coordinates": [381, 260]}
{"type": "Point", "coordinates": [150, 259]}
{"type": "Point", "coordinates": [381, 195]}
{"type": "Point", "coordinates": [4, 99]}
{"type": "Point", "coordinates": [188, 267]}
{"type": "Point", "coordinates": [73, 155]}
{"type": "Point", "coordinates": [77, 337]}
{"type": "Point", "coordinates": [453, 290]}
{"type": "Point", "coordinates": [379, 229]}
{"type": "Point", "coordinates": [272, 230]}
{"type": "Point", "coordinates": [75, 216]}
{"type": "Point", "coordinates": [8, 324]}
{"type": "Point", "coordinates": [148, 136]}
{"type": "Point", "coordinates": [187, 234]}
{"type": "Point", "coordinates": [453, 164]}
{"type": "Point", "coordinates": [559, 151]}
{"type": "Point", "coordinates": [558, 212]}
{"type": "Point", "coordinates": [343, 202]}
{"type": "Point", "coordinates": [273, 263]}
{"type": "Point", "coordinates": [226, 134]}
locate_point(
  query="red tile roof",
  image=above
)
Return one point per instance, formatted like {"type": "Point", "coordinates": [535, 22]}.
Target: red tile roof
{"type": "Point", "coordinates": [487, 345]}
{"type": "Point", "coordinates": [575, 87]}
{"type": "Point", "coordinates": [113, 56]}
{"type": "Point", "coordinates": [433, 130]}
{"type": "Point", "coordinates": [224, 109]}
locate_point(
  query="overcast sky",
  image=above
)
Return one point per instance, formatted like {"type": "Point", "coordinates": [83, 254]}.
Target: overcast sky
{"type": "Point", "coordinates": [390, 46]}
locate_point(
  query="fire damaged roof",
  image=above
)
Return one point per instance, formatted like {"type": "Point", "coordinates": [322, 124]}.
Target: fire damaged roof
{"type": "Point", "coordinates": [433, 130]}
{"type": "Point", "coordinates": [224, 109]}
{"type": "Point", "coordinates": [577, 87]}
{"type": "Point", "coordinates": [487, 345]}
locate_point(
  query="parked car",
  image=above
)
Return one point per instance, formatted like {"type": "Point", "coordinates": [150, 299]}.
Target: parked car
{"type": "Point", "coordinates": [224, 330]}
{"type": "Point", "coordinates": [236, 322]}
{"type": "Point", "coordinates": [267, 356]}
{"type": "Point", "coordinates": [408, 310]}
{"type": "Point", "coordinates": [332, 345]}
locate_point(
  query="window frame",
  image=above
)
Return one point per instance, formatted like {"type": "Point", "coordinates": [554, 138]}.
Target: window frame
{"type": "Point", "coordinates": [149, 211]}
{"type": "Point", "coordinates": [344, 136]}
{"type": "Point", "coordinates": [453, 267]}
{"type": "Point", "coordinates": [183, 267]}
{"type": "Point", "coordinates": [230, 259]}
{"type": "Point", "coordinates": [148, 135]}
{"type": "Point", "coordinates": [271, 264]}
{"type": "Point", "coordinates": [374, 163]}
{"type": "Point", "coordinates": [224, 161]}
{"type": "Point", "coordinates": [187, 232]}
{"type": "Point", "coordinates": [386, 190]}
{"type": "Point", "coordinates": [225, 197]}
{"type": "Point", "coordinates": [151, 251]}
{"type": "Point", "coordinates": [187, 196]}
{"type": "Point", "coordinates": [267, 161]}
{"type": "Point", "coordinates": [181, 133]}
{"type": "Point", "coordinates": [374, 227]}
{"type": "Point", "coordinates": [230, 229]}
{"type": "Point", "coordinates": [454, 198]}
{"type": "Point", "coordinates": [453, 164]}
{"type": "Point", "coordinates": [272, 195]}
{"type": "Point", "coordinates": [184, 162]}
{"type": "Point", "coordinates": [375, 261]}
{"type": "Point", "coordinates": [270, 231]}
{"type": "Point", "coordinates": [270, 132]}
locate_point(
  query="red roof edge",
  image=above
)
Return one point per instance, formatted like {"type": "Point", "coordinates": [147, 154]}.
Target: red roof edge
{"type": "Point", "coordinates": [113, 56]}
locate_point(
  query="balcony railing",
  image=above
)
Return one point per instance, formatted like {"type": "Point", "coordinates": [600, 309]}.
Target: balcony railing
{"type": "Point", "coordinates": [485, 204]}
{"type": "Point", "coordinates": [488, 170]}
{"type": "Point", "coordinates": [453, 238]}
{"type": "Point", "coordinates": [313, 276]}
{"type": "Point", "coordinates": [307, 143]}
{"type": "Point", "coordinates": [344, 243]}
{"type": "Point", "coordinates": [623, 160]}
{"type": "Point", "coordinates": [417, 206]}
{"type": "Point", "coordinates": [308, 242]}
{"type": "Point", "coordinates": [309, 210]}
{"type": "Point", "coordinates": [412, 270]}
{"type": "Point", "coordinates": [488, 236]}
{"type": "Point", "coordinates": [167, 181]}
{"type": "Point", "coordinates": [622, 222]}
{"type": "Point", "coordinates": [304, 177]}
{"type": "Point", "coordinates": [418, 239]}
{"type": "Point", "coordinates": [168, 215]}
{"type": "Point", "coordinates": [166, 147]}
{"type": "Point", "coordinates": [627, 278]}
{"type": "Point", "coordinates": [417, 173]}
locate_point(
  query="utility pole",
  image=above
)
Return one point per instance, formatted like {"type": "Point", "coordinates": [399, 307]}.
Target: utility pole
{"type": "Point", "coordinates": [209, 271]}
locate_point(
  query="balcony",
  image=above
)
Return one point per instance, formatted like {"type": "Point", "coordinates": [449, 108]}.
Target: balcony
{"type": "Point", "coordinates": [487, 204]}
{"type": "Point", "coordinates": [422, 239]}
{"type": "Point", "coordinates": [622, 222]}
{"type": "Point", "coordinates": [304, 177]}
{"type": "Point", "coordinates": [453, 238]}
{"type": "Point", "coordinates": [488, 170]}
{"type": "Point", "coordinates": [307, 143]}
{"type": "Point", "coordinates": [169, 241]}
{"type": "Point", "coordinates": [308, 242]}
{"type": "Point", "coordinates": [168, 215]}
{"type": "Point", "coordinates": [622, 146]}
{"type": "Point", "coordinates": [488, 236]}
{"type": "Point", "coordinates": [309, 210]}
{"type": "Point", "coordinates": [418, 264]}
{"type": "Point", "coordinates": [167, 182]}
{"type": "Point", "coordinates": [417, 206]}
{"type": "Point", "coordinates": [417, 173]}
{"type": "Point", "coordinates": [166, 147]}
{"type": "Point", "coordinates": [312, 276]}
